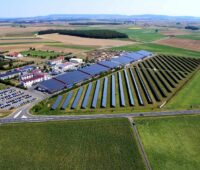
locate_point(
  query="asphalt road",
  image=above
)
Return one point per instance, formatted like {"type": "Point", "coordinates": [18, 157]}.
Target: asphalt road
{"type": "Point", "coordinates": [25, 117]}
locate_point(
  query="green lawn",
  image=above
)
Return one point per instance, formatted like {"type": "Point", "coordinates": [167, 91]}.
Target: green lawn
{"type": "Point", "coordinates": [78, 47]}
{"type": "Point", "coordinates": [89, 144]}
{"type": "Point", "coordinates": [40, 53]}
{"type": "Point", "coordinates": [188, 97]}
{"type": "Point", "coordinates": [156, 48]}
{"type": "Point", "coordinates": [142, 35]}
{"type": "Point", "coordinates": [171, 143]}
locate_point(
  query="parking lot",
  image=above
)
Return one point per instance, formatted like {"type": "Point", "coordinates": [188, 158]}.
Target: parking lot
{"type": "Point", "coordinates": [12, 98]}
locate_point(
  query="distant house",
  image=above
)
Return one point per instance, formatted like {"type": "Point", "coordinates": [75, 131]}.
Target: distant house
{"type": "Point", "coordinates": [67, 66]}
{"type": "Point", "coordinates": [76, 60]}
{"type": "Point", "coordinates": [10, 74]}
{"type": "Point", "coordinates": [56, 61]}
{"type": "Point", "coordinates": [36, 76]}
{"type": "Point", "coordinates": [14, 55]}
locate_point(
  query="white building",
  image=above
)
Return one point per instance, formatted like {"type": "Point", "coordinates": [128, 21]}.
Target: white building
{"type": "Point", "coordinates": [57, 61]}
{"type": "Point", "coordinates": [76, 60]}
{"type": "Point", "coordinates": [67, 66]}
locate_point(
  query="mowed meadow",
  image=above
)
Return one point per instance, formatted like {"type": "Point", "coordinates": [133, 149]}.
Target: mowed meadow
{"type": "Point", "coordinates": [89, 144]}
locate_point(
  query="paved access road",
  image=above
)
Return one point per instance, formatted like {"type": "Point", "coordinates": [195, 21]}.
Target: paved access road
{"type": "Point", "coordinates": [25, 117]}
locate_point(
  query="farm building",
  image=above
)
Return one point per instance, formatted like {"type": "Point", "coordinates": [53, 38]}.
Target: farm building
{"type": "Point", "coordinates": [10, 75]}
{"type": "Point", "coordinates": [67, 66]}
{"type": "Point", "coordinates": [76, 60]}
{"type": "Point", "coordinates": [56, 61]}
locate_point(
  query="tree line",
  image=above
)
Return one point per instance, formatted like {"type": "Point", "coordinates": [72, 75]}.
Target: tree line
{"type": "Point", "coordinates": [100, 34]}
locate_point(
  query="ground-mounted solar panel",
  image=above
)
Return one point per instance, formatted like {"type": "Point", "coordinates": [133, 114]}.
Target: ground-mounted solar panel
{"type": "Point", "coordinates": [96, 94]}
{"type": "Point", "coordinates": [105, 89]}
{"type": "Point", "coordinates": [113, 100]}
{"type": "Point", "coordinates": [130, 93]}
{"type": "Point", "coordinates": [94, 69]}
{"type": "Point", "coordinates": [86, 97]}
{"type": "Point", "coordinates": [121, 90]}
{"type": "Point", "coordinates": [109, 64]}
{"type": "Point", "coordinates": [146, 93]}
{"type": "Point", "coordinates": [136, 88]}
{"type": "Point", "coordinates": [57, 102]}
{"type": "Point", "coordinates": [67, 100]}
{"type": "Point", "coordinates": [77, 98]}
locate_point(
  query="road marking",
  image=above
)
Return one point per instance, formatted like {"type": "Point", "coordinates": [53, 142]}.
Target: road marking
{"type": "Point", "coordinates": [24, 117]}
{"type": "Point", "coordinates": [17, 114]}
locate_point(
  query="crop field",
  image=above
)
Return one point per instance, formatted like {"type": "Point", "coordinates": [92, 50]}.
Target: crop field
{"type": "Point", "coordinates": [160, 49]}
{"type": "Point", "coordinates": [85, 145]}
{"type": "Point", "coordinates": [171, 142]}
{"type": "Point", "coordinates": [73, 40]}
{"type": "Point", "coordinates": [142, 35]}
{"type": "Point", "coordinates": [144, 86]}
{"type": "Point", "coordinates": [193, 36]}
{"type": "Point", "coordinates": [181, 43]}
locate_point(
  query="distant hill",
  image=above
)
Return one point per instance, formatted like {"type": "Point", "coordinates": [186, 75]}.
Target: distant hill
{"type": "Point", "coordinates": [103, 17]}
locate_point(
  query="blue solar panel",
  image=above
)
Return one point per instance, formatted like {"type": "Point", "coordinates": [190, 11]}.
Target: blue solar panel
{"type": "Point", "coordinates": [77, 98]}
{"type": "Point", "coordinates": [94, 69]}
{"type": "Point", "coordinates": [105, 88]}
{"type": "Point", "coordinates": [136, 88]}
{"type": "Point", "coordinates": [57, 102]}
{"type": "Point", "coordinates": [87, 95]}
{"type": "Point", "coordinates": [144, 53]}
{"type": "Point", "coordinates": [73, 77]}
{"type": "Point", "coordinates": [135, 56]}
{"type": "Point", "coordinates": [144, 87]}
{"type": "Point", "coordinates": [113, 102]}
{"type": "Point", "coordinates": [121, 90]}
{"type": "Point", "coordinates": [123, 60]}
{"type": "Point", "coordinates": [51, 85]}
{"type": "Point", "coordinates": [130, 94]}
{"type": "Point", "coordinates": [109, 64]}
{"type": "Point", "coordinates": [96, 94]}
{"type": "Point", "coordinates": [67, 100]}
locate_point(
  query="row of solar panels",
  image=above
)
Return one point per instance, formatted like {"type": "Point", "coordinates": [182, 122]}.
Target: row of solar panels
{"type": "Point", "coordinates": [68, 79]}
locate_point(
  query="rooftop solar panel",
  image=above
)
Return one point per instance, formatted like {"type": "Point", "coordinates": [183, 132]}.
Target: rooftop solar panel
{"type": "Point", "coordinates": [52, 85]}
{"type": "Point", "coordinates": [122, 60]}
{"type": "Point", "coordinates": [94, 69]}
{"type": "Point", "coordinates": [73, 77]}
{"type": "Point", "coordinates": [109, 64]}
{"type": "Point", "coordinates": [135, 56]}
{"type": "Point", "coordinates": [144, 53]}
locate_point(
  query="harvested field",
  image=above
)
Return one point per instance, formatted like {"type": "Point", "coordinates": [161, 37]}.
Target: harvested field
{"type": "Point", "coordinates": [174, 32]}
{"type": "Point", "coordinates": [181, 43]}
{"type": "Point", "coordinates": [72, 40]}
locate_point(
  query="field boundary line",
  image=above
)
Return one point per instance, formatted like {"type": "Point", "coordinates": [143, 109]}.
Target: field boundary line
{"type": "Point", "coordinates": [139, 142]}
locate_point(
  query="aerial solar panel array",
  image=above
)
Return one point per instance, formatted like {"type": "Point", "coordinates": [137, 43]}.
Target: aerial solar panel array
{"type": "Point", "coordinates": [96, 94]}
{"type": "Point", "coordinates": [105, 88]}
{"type": "Point", "coordinates": [121, 90]}
{"type": "Point", "coordinates": [57, 102]}
{"type": "Point", "coordinates": [77, 98]}
{"type": "Point", "coordinates": [67, 100]}
{"type": "Point", "coordinates": [113, 100]}
{"type": "Point", "coordinates": [86, 97]}
{"type": "Point", "coordinates": [94, 69]}
{"type": "Point", "coordinates": [67, 80]}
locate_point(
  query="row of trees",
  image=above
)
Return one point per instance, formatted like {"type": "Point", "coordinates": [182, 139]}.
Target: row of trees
{"type": "Point", "coordinates": [101, 34]}
{"type": "Point", "coordinates": [192, 27]}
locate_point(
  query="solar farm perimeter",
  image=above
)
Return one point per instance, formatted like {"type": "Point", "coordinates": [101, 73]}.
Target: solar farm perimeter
{"type": "Point", "coordinates": [142, 86]}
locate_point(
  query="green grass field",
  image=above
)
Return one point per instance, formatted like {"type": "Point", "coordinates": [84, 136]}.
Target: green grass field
{"type": "Point", "coordinates": [40, 53]}
{"type": "Point", "coordinates": [171, 142]}
{"type": "Point", "coordinates": [188, 97]}
{"type": "Point", "coordinates": [142, 35]}
{"type": "Point", "coordinates": [2, 86]}
{"type": "Point", "coordinates": [78, 47]}
{"type": "Point", "coordinates": [156, 48]}
{"type": "Point", "coordinates": [194, 36]}
{"type": "Point", "coordinates": [94, 144]}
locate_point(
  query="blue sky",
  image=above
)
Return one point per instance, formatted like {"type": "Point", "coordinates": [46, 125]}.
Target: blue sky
{"type": "Point", "coordinates": [27, 8]}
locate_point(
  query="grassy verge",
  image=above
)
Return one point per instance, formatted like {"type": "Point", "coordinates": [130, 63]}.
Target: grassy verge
{"type": "Point", "coordinates": [188, 97]}
{"type": "Point", "coordinates": [156, 48]}
{"type": "Point", "coordinates": [171, 142]}
{"type": "Point", "coordinates": [93, 144]}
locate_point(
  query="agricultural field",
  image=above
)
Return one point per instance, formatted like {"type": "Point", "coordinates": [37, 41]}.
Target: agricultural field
{"type": "Point", "coordinates": [142, 35]}
{"type": "Point", "coordinates": [171, 142]}
{"type": "Point", "coordinates": [88, 144]}
{"type": "Point", "coordinates": [181, 43]}
{"type": "Point", "coordinates": [160, 49]}
{"type": "Point", "coordinates": [188, 97]}
{"type": "Point", "coordinates": [193, 36]}
{"type": "Point", "coordinates": [80, 41]}
{"type": "Point", "coordinates": [147, 85]}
